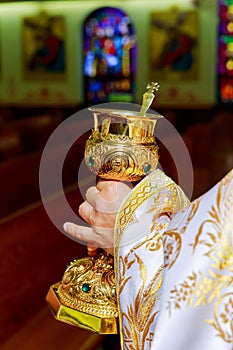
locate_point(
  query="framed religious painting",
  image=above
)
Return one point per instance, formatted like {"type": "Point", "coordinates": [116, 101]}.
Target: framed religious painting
{"type": "Point", "coordinates": [44, 47]}
{"type": "Point", "coordinates": [174, 45]}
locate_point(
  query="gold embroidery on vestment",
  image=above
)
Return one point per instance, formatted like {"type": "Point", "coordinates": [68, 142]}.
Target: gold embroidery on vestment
{"type": "Point", "coordinates": [199, 288]}
{"type": "Point", "coordinates": [142, 313]}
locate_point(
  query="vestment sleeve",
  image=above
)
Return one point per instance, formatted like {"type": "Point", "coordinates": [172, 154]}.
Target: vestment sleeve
{"type": "Point", "coordinates": [175, 278]}
{"type": "Point", "coordinates": [142, 219]}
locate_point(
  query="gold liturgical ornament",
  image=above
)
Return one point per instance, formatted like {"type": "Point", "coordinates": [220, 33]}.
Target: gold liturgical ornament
{"type": "Point", "coordinates": [122, 146]}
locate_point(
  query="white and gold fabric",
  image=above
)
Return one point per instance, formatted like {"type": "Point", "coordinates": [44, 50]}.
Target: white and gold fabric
{"type": "Point", "coordinates": [174, 267]}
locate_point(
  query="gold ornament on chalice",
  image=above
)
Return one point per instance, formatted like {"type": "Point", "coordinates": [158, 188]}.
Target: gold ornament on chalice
{"type": "Point", "coordinates": [121, 147]}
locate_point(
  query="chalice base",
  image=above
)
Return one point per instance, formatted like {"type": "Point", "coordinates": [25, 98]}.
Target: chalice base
{"type": "Point", "coordinates": [66, 314]}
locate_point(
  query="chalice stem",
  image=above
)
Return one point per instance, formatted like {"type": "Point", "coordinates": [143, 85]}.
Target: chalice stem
{"type": "Point", "coordinates": [92, 250]}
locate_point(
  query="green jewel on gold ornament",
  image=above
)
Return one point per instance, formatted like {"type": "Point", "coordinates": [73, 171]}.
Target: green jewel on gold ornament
{"type": "Point", "coordinates": [90, 162]}
{"type": "Point", "coordinates": [147, 168]}
{"type": "Point", "coordinates": [86, 287]}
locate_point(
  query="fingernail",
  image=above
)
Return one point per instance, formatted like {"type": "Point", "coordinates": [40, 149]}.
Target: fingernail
{"type": "Point", "coordinates": [65, 226]}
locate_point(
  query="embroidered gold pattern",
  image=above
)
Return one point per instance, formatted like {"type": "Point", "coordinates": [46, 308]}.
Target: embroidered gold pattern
{"type": "Point", "coordinates": [172, 241]}
{"type": "Point", "coordinates": [201, 288]}
{"type": "Point", "coordinates": [151, 243]}
{"type": "Point", "coordinates": [144, 190]}
{"type": "Point", "coordinates": [139, 316]}
{"type": "Point", "coordinates": [223, 315]}
{"type": "Point", "coordinates": [163, 203]}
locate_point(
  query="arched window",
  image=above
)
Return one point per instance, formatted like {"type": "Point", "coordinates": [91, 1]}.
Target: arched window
{"type": "Point", "coordinates": [110, 56]}
{"type": "Point", "coordinates": [225, 52]}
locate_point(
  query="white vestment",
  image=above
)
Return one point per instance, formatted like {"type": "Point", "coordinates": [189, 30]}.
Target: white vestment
{"type": "Point", "coordinates": [174, 267]}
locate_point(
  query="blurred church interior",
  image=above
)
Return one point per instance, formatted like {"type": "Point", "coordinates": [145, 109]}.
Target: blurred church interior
{"type": "Point", "coordinates": [57, 58]}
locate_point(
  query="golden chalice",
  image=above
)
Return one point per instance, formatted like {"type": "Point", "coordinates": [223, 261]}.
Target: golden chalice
{"type": "Point", "coordinates": [121, 147]}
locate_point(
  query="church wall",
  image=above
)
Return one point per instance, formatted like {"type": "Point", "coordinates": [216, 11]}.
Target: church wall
{"type": "Point", "coordinates": [16, 90]}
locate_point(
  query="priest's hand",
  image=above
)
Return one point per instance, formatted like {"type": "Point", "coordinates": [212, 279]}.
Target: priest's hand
{"type": "Point", "coordinates": [99, 211]}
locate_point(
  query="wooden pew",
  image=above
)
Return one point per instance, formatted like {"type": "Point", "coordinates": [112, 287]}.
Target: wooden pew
{"type": "Point", "coordinates": [34, 255]}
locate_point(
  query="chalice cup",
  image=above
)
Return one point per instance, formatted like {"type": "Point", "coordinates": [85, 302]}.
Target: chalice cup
{"type": "Point", "coordinates": [121, 147]}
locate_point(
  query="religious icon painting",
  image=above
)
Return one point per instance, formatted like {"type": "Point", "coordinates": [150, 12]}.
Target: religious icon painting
{"type": "Point", "coordinates": [44, 47]}
{"type": "Point", "coordinates": [174, 45]}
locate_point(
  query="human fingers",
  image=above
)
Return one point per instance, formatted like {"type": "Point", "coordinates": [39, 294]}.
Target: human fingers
{"type": "Point", "coordinates": [107, 196]}
{"type": "Point", "coordinates": [86, 211]}
{"type": "Point", "coordinates": [100, 237]}
{"type": "Point", "coordinates": [113, 190]}
{"type": "Point", "coordinates": [77, 232]}
{"type": "Point", "coordinates": [96, 219]}
{"type": "Point", "coordinates": [108, 190]}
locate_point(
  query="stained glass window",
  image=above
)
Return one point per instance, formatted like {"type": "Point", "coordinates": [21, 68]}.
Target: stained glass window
{"type": "Point", "coordinates": [225, 51]}
{"type": "Point", "coordinates": [110, 56]}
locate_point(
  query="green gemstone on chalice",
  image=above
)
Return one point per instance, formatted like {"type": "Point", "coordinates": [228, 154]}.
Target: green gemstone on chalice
{"type": "Point", "coordinates": [147, 168]}
{"type": "Point", "coordinates": [86, 287]}
{"type": "Point", "coordinates": [90, 162]}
